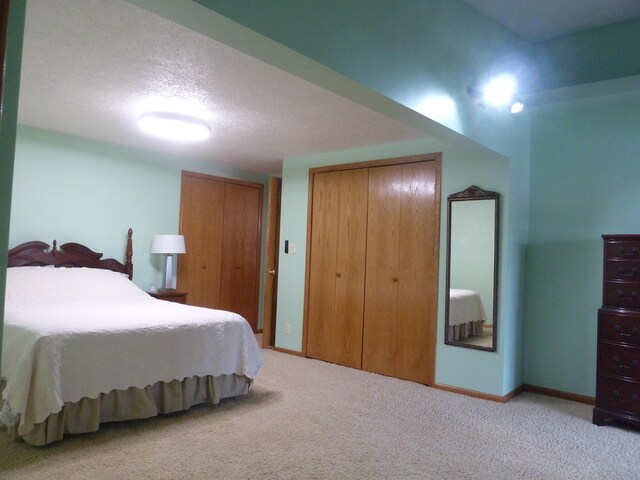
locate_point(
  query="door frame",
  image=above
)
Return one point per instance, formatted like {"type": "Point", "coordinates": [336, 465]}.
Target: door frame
{"type": "Point", "coordinates": [271, 262]}
{"type": "Point", "coordinates": [435, 157]}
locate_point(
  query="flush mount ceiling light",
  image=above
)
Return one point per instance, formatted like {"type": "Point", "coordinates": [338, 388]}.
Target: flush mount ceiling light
{"type": "Point", "coordinates": [498, 93]}
{"type": "Point", "coordinates": [174, 126]}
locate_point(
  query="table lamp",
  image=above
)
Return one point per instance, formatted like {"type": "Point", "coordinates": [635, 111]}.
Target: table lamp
{"type": "Point", "coordinates": [168, 245]}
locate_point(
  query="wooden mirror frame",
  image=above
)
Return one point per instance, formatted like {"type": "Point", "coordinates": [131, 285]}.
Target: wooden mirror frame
{"type": "Point", "coordinates": [470, 194]}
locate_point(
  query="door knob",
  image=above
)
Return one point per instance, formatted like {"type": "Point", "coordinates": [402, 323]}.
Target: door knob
{"type": "Point", "coordinates": [395, 279]}
{"type": "Point", "coordinates": [272, 272]}
{"type": "Point", "coordinates": [338, 274]}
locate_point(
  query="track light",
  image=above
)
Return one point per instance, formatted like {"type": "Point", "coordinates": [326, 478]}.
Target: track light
{"type": "Point", "coordinates": [500, 92]}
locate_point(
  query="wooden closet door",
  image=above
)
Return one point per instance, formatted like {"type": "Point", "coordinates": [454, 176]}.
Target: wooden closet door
{"type": "Point", "coordinates": [402, 271]}
{"type": "Point", "coordinates": [240, 271]}
{"type": "Point", "coordinates": [201, 220]}
{"type": "Point", "coordinates": [221, 223]}
{"type": "Point", "coordinates": [337, 262]}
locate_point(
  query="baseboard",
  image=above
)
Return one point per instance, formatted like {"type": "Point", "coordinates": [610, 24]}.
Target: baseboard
{"type": "Point", "coordinates": [550, 392]}
{"type": "Point", "coordinates": [290, 352]}
{"type": "Point", "coordinates": [476, 394]}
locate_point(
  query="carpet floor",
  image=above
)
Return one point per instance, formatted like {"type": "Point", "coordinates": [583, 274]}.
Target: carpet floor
{"type": "Point", "coordinates": [306, 419]}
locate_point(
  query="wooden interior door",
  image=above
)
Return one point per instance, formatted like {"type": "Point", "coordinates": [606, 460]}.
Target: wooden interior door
{"type": "Point", "coordinates": [271, 263]}
{"type": "Point", "coordinates": [201, 220]}
{"type": "Point", "coordinates": [337, 262]}
{"type": "Point", "coordinates": [402, 271]}
{"type": "Point", "coordinates": [240, 275]}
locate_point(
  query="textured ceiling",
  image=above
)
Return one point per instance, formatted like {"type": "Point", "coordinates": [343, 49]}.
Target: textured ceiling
{"type": "Point", "coordinates": [543, 19]}
{"type": "Point", "coordinates": [91, 67]}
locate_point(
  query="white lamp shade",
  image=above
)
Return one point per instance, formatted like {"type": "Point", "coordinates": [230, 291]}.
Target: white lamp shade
{"type": "Point", "coordinates": [168, 244]}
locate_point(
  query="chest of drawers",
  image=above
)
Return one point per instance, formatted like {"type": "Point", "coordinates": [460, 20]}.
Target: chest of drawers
{"type": "Point", "coordinates": [618, 371]}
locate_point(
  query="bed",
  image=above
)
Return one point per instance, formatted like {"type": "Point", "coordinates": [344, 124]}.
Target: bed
{"type": "Point", "coordinates": [85, 346]}
{"type": "Point", "coordinates": [466, 314]}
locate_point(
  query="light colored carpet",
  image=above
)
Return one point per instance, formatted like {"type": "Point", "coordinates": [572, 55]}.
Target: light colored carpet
{"type": "Point", "coordinates": [306, 419]}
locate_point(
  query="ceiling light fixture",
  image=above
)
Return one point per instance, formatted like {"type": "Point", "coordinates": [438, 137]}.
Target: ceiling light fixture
{"type": "Point", "coordinates": [517, 106]}
{"type": "Point", "coordinates": [499, 90]}
{"type": "Point", "coordinates": [174, 126]}
{"type": "Point", "coordinates": [498, 93]}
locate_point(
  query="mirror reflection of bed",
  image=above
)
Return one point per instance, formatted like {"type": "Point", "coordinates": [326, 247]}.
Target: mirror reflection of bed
{"type": "Point", "coordinates": [468, 318]}
{"type": "Point", "coordinates": [472, 269]}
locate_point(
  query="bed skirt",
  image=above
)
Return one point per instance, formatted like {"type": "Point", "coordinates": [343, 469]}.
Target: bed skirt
{"type": "Point", "coordinates": [134, 403]}
{"type": "Point", "coordinates": [465, 330]}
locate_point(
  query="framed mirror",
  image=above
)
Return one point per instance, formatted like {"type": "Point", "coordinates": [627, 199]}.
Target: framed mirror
{"type": "Point", "coordinates": [471, 309]}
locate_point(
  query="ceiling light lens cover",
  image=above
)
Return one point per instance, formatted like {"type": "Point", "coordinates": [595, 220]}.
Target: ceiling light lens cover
{"type": "Point", "coordinates": [174, 126]}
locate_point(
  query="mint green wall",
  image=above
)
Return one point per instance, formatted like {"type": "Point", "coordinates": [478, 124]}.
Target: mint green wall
{"type": "Point", "coordinates": [584, 183]}
{"type": "Point", "coordinates": [593, 55]}
{"type": "Point", "coordinates": [73, 189]}
{"type": "Point", "coordinates": [8, 124]}
{"type": "Point", "coordinates": [410, 51]}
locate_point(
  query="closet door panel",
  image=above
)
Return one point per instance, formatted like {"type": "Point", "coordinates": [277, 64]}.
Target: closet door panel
{"type": "Point", "coordinates": [240, 261]}
{"type": "Point", "coordinates": [321, 320]}
{"type": "Point", "coordinates": [350, 264]}
{"type": "Point", "coordinates": [201, 220]}
{"type": "Point", "coordinates": [417, 299]}
{"type": "Point", "coordinates": [382, 274]}
{"type": "Point", "coordinates": [337, 261]}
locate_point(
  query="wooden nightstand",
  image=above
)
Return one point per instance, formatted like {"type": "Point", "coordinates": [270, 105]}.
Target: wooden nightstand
{"type": "Point", "coordinates": [170, 296]}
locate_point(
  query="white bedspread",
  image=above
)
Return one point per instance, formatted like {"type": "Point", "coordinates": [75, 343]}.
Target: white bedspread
{"type": "Point", "coordinates": [74, 333]}
{"type": "Point", "coordinates": [465, 306]}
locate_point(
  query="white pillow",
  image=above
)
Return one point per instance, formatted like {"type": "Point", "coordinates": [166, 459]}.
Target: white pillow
{"type": "Point", "coordinates": [42, 285]}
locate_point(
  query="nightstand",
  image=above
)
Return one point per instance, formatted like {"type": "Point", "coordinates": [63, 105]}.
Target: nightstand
{"type": "Point", "coordinates": [170, 296]}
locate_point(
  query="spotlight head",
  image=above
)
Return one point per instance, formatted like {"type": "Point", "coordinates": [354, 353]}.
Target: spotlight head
{"type": "Point", "coordinates": [500, 90]}
{"type": "Point", "coordinates": [517, 106]}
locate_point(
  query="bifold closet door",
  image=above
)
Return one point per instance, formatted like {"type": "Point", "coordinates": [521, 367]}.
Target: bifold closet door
{"type": "Point", "coordinates": [337, 266]}
{"type": "Point", "coordinates": [401, 271]}
{"type": "Point", "coordinates": [221, 223]}
{"type": "Point", "coordinates": [201, 220]}
{"type": "Point", "coordinates": [240, 261]}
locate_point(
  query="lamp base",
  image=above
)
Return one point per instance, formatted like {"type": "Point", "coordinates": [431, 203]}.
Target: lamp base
{"type": "Point", "coordinates": [167, 282]}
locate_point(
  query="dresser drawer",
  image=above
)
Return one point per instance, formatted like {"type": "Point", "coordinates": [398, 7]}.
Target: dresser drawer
{"type": "Point", "coordinates": [622, 295]}
{"type": "Point", "coordinates": [620, 395]}
{"type": "Point", "coordinates": [624, 270]}
{"type": "Point", "coordinates": [623, 249]}
{"type": "Point", "coordinates": [619, 327]}
{"type": "Point", "coordinates": [621, 360]}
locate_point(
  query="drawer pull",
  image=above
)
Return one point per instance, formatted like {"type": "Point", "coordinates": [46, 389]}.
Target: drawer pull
{"type": "Point", "coordinates": [634, 331]}
{"type": "Point", "coordinates": [632, 273]}
{"type": "Point", "coordinates": [627, 298]}
{"type": "Point", "coordinates": [618, 361]}
{"type": "Point", "coordinates": [616, 395]}
{"type": "Point", "coordinates": [632, 253]}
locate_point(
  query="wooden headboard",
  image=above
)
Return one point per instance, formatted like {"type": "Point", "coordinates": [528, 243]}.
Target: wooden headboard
{"type": "Point", "coordinates": [69, 255]}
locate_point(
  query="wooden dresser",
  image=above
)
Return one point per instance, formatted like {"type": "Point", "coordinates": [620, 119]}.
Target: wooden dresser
{"type": "Point", "coordinates": [618, 375]}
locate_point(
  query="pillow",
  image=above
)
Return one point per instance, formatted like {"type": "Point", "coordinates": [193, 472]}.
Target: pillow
{"type": "Point", "coordinates": [43, 285]}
